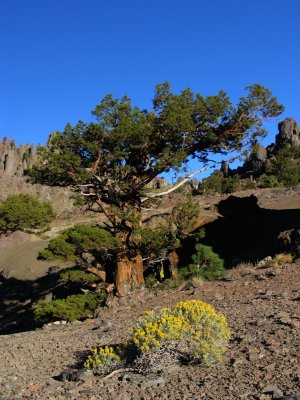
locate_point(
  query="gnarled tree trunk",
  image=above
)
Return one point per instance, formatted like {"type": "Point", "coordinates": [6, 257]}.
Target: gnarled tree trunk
{"type": "Point", "coordinates": [129, 268]}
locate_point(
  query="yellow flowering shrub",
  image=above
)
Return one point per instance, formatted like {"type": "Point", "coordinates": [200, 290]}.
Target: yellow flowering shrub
{"type": "Point", "coordinates": [194, 327]}
{"type": "Point", "coordinates": [104, 356]}
{"type": "Point", "coordinates": [192, 331]}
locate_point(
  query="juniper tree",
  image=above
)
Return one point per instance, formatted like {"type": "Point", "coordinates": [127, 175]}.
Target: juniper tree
{"type": "Point", "coordinates": [114, 158]}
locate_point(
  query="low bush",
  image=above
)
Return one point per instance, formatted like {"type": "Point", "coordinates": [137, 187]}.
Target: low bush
{"type": "Point", "coordinates": [72, 308]}
{"type": "Point", "coordinates": [282, 259]}
{"type": "Point", "coordinates": [191, 332]}
{"type": "Point", "coordinates": [206, 264]}
{"type": "Point", "coordinates": [108, 357]}
{"type": "Point", "coordinates": [268, 181]}
{"type": "Point", "coordinates": [73, 242]}
{"type": "Point", "coordinates": [76, 275]}
{"type": "Point", "coordinates": [24, 212]}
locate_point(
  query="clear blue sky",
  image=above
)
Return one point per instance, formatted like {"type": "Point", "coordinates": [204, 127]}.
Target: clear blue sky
{"type": "Point", "coordinates": [59, 57]}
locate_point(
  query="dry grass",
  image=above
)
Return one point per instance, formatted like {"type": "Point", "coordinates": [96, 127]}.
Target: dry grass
{"type": "Point", "coordinates": [241, 270]}
{"type": "Point", "coordinates": [196, 282]}
{"type": "Point", "coordinates": [282, 258]}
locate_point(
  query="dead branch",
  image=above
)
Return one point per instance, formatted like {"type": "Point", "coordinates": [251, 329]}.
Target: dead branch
{"type": "Point", "coordinates": [177, 185]}
{"type": "Point", "coordinates": [118, 371]}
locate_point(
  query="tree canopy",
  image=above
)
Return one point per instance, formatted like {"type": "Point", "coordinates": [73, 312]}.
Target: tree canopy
{"type": "Point", "coordinates": [113, 159]}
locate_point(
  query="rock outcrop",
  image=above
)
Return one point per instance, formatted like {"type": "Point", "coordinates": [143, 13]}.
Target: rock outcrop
{"type": "Point", "coordinates": [289, 133]}
{"type": "Point", "coordinates": [15, 160]}
{"type": "Point", "coordinates": [288, 136]}
{"type": "Point", "coordinates": [257, 160]}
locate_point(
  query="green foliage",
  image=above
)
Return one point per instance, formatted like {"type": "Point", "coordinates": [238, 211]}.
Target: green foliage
{"type": "Point", "coordinates": [212, 184]}
{"type": "Point", "coordinates": [286, 166]}
{"type": "Point", "coordinates": [206, 263]}
{"type": "Point", "coordinates": [159, 241]}
{"type": "Point", "coordinates": [116, 156]}
{"type": "Point", "coordinates": [218, 183]}
{"type": "Point", "coordinates": [75, 275]}
{"type": "Point", "coordinates": [73, 242]}
{"type": "Point", "coordinates": [247, 184]}
{"type": "Point", "coordinates": [231, 184]}
{"type": "Point", "coordinates": [72, 308]}
{"type": "Point", "coordinates": [184, 216]}
{"type": "Point", "coordinates": [24, 212]}
{"type": "Point", "coordinates": [267, 181]}
{"type": "Point", "coordinates": [135, 145]}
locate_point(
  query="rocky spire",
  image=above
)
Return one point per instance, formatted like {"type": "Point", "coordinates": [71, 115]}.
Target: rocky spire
{"type": "Point", "coordinates": [15, 160]}
{"type": "Point", "coordinates": [289, 133]}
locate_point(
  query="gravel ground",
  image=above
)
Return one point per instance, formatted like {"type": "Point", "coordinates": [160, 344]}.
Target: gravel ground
{"type": "Point", "coordinates": [262, 362]}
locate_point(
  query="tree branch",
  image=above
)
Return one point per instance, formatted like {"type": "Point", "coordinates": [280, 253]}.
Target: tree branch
{"type": "Point", "coordinates": [176, 186]}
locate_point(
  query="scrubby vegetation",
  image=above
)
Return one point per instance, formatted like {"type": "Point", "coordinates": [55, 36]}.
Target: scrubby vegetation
{"type": "Point", "coordinates": [80, 239]}
{"type": "Point", "coordinates": [76, 275]}
{"type": "Point", "coordinates": [280, 170]}
{"type": "Point", "coordinates": [113, 159]}
{"type": "Point", "coordinates": [26, 213]}
{"type": "Point", "coordinates": [191, 332]}
{"type": "Point", "coordinates": [74, 307]}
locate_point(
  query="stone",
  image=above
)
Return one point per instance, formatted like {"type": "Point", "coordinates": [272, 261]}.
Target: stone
{"type": "Point", "coordinates": [289, 133]}
{"type": "Point", "coordinates": [15, 160]}
{"type": "Point", "coordinates": [153, 383]}
{"type": "Point", "coordinates": [273, 390]}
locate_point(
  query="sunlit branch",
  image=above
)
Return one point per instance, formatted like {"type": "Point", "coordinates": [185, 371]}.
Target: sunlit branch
{"type": "Point", "coordinates": [177, 185]}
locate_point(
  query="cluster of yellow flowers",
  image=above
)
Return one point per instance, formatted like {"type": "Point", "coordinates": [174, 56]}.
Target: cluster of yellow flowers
{"type": "Point", "coordinates": [193, 323]}
{"type": "Point", "coordinates": [192, 327]}
{"type": "Point", "coordinates": [102, 356]}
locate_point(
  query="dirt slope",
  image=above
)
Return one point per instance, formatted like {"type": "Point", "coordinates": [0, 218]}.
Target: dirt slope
{"type": "Point", "coordinates": [262, 362]}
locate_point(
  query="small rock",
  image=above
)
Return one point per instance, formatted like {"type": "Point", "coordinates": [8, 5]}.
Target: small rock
{"type": "Point", "coordinates": [261, 277]}
{"type": "Point", "coordinates": [263, 263]}
{"type": "Point", "coordinates": [273, 390]}
{"type": "Point", "coordinates": [154, 382]}
{"type": "Point", "coordinates": [132, 378]}
{"type": "Point", "coordinates": [84, 375]}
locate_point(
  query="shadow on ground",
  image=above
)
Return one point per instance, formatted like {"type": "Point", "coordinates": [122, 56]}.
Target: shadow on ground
{"type": "Point", "coordinates": [17, 298]}
{"type": "Point", "coordinates": [244, 232]}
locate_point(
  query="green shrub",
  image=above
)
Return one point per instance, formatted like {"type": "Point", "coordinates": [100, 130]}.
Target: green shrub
{"type": "Point", "coordinates": [247, 184]}
{"type": "Point", "coordinates": [206, 264]}
{"type": "Point", "coordinates": [72, 308]}
{"type": "Point", "coordinates": [230, 184]}
{"type": "Point", "coordinates": [212, 184]}
{"type": "Point", "coordinates": [268, 181]}
{"type": "Point", "coordinates": [24, 212]}
{"type": "Point", "coordinates": [285, 166]}
{"type": "Point", "coordinates": [73, 242]}
{"type": "Point", "coordinates": [75, 275]}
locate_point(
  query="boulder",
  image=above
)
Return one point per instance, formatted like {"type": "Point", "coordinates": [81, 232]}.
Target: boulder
{"type": "Point", "coordinates": [289, 133]}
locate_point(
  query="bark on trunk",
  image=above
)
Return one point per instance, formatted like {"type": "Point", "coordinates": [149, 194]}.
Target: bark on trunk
{"type": "Point", "coordinates": [129, 274]}
{"type": "Point", "coordinates": [129, 269]}
{"type": "Point", "coordinates": [174, 260]}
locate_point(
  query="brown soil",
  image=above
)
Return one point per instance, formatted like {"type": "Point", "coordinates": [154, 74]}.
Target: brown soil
{"type": "Point", "coordinates": [262, 307]}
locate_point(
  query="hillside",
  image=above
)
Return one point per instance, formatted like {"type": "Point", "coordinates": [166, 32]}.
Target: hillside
{"type": "Point", "coordinates": [260, 302]}
{"type": "Point", "coordinates": [262, 362]}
